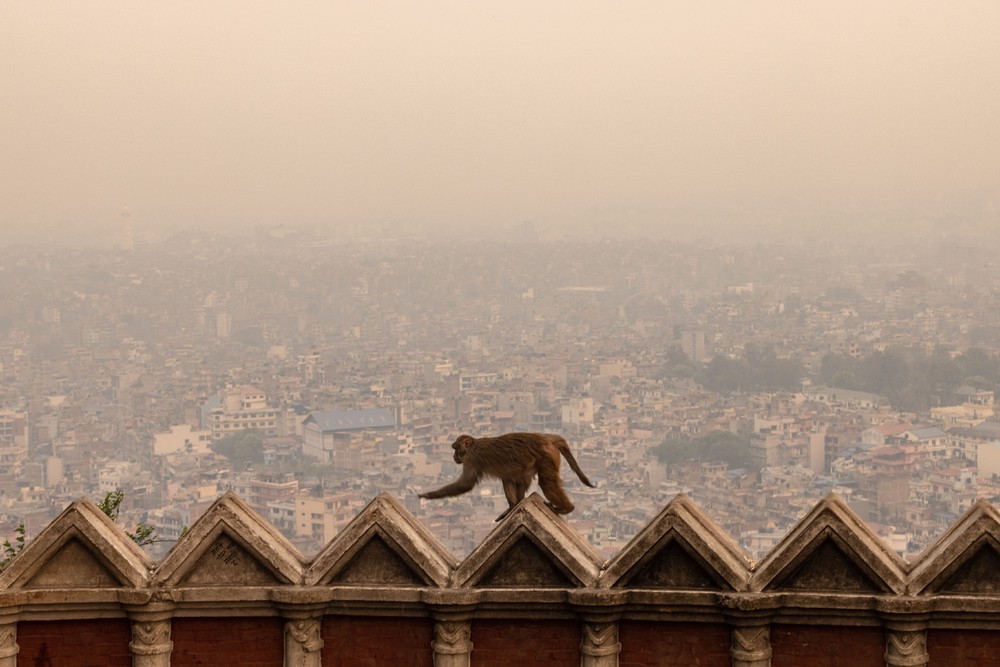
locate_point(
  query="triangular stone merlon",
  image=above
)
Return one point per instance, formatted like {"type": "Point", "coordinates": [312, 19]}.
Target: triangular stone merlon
{"type": "Point", "coordinates": [831, 516]}
{"type": "Point", "coordinates": [682, 519]}
{"type": "Point", "coordinates": [532, 520]}
{"type": "Point", "coordinates": [83, 521]}
{"type": "Point", "coordinates": [952, 548]}
{"type": "Point", "coordinates": [231, 517]}
{"type": "Point", "coordinates": [408, 538]}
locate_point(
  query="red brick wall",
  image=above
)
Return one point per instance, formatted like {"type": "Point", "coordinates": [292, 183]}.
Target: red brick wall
{"type": "Point", "coordinates": [827, 646]}
{"type": "Point", "coordinates": [227, 642]}
{"type": "Point", "coordinates": [528, 643]}
{"type": "Point", "coordinates": [374, 641]}
{"type": "Point", "coordinates": [653, 644]}
{"type": "Point", "coordinates": [90, 643]}
{"type": "Point", "coordinates": [963, 648]}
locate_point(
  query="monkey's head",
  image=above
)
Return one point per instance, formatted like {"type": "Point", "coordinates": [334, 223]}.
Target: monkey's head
{"type": "Point", "coordinates": [461, 446]}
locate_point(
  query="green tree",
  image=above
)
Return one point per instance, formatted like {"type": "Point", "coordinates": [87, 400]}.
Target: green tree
{"type": "Point", "coordinates": [11, 550]}
{"type": "Point", "coordinates": [111, 505]}
{"type": "Point", "coordinates": [243, 449]}
{"type": "Point", "coordinates": [712, 446]}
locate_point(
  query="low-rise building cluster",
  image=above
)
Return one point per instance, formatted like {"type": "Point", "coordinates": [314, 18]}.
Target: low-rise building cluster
{"type": "Point", "coordinates": [356, 364]}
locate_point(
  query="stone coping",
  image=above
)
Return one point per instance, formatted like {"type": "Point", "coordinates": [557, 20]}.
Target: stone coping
{"type": "Point", "coordinates": [829, 569]}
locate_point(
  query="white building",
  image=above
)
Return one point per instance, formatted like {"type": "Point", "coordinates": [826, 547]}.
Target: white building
{"type": "Point", "coordinates": [244, 408]}
{"type": "Point", "coordinates": [181, 438]}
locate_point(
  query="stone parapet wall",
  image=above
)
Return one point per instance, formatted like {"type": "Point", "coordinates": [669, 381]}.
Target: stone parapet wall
{"type": "Point", "coordinates": [233, 591]}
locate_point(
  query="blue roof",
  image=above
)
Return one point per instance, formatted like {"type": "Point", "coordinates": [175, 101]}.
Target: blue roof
{"type": "Point", "coordinates": [353, 420]}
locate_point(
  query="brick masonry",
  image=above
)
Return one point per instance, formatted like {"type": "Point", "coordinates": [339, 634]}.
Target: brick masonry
{"type": "Point", "coordinates": [227, 642]}
{"type": "Point", "coordinates": [655, 644]}
{"type": "Point", "coordinates": [827, 646]}
{"type": "Point", "coordinates": [377, 641]}
{"type": "Point", "coordinates": [963, 648]}
{"type": "Point", "coordinates": [525, 643]}
{"type": "Point", "coordinates": [94, 643]}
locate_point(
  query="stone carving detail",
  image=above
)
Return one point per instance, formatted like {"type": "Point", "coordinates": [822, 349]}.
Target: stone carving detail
{"type": "Point", "coordinates": [151, 645]}
{"type": "Point", "coordinates": [906, 649]}
{"type": "Point", "coordinates": [524, 564]}
{"type": "Point", "coordinates": [8, 645]}
{"type": "Point", "coordinates": [600, 646]}
{"type": "Point", "coordinates": [452, 637]}
{"type": "Point", "coordinates": [228, 563]}
{"type": "Point", "coordinates": [452, 643]}
{"type": "Point", "coordinates": [151, 637]}
{"type": "Point", "coordinates": [303, 641]}
{"type": "Point", "coordinates": [751, 646]}
{"type": "Point", "coordinates": [307, 633]}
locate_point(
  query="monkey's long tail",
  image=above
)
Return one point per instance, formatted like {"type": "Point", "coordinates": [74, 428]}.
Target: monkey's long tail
{"type": "Point", "coordinates": [564, 448]}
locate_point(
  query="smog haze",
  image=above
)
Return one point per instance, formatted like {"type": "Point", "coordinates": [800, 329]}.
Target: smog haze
{"type": "Point", "coordinates": [652, 117]}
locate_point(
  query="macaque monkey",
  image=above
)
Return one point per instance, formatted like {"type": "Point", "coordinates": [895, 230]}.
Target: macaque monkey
{"type": "Point", "coordinates": [514, 459]}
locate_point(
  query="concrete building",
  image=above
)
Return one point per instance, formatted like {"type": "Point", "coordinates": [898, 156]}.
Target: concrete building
{"type": "Point", "coordinates": [182, 438]}
{"type": "Point", "coordinates": [14, 428]}
{"type": "Point", "coordinates": [330, 435]}
{"type": "Point", "coordinates": [244, 408]}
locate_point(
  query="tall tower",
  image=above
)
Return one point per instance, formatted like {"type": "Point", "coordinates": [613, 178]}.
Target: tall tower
{"type": "Point", "coordinates": [128, 239]}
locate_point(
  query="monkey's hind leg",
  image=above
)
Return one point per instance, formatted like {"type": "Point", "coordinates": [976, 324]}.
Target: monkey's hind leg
{"type": "Point", "coordinates": [551, 486]}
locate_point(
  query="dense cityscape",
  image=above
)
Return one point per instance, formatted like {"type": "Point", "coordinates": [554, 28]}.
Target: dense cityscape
{"type": "Point", "coordinates": [310, 372]}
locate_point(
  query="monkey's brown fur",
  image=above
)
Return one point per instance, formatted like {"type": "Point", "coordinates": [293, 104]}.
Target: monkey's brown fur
{"type": "Point", "coordinates": [514, 459]}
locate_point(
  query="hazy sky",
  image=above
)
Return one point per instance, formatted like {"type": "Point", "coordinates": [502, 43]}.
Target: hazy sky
{"type": "Point", "coordinates": [220, 114]}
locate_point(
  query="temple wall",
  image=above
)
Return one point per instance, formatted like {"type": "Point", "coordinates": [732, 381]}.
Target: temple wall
{"type": "Point", "coordinates": [234, 592]}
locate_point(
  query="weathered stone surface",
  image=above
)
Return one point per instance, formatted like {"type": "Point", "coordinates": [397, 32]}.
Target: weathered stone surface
{"type": "Point", "coordinates": [151, 645]}
{"type": "Point", "coordinates": [73, 565]}
{"type": "Point", "coordinates": [230, 545]}
{"type": "Point", "coordinates": [377, 564]}
{"type": "Point", "coordinates": [751, 646]}
{"type": "Point", "coordinates": [384, 544]}
{"type": "Point", "coordinates": [831, 536]}
{"type": "Point", "coordinates": [303, 642]}
{"type": "Point", "coordinates": [452, 643]}
{"type": "Point", "coordinates": [525, 565]}
{"type": "Point", "coordinates": [962, 559]}
{"type": "Point", "coordinates": [550, 539]}
{"type": "Point", "coordinates": [978, 574]}
{"type": "Point", "coordinates": [906, 648]}
{"type": "Point", "coordinates": [828, 568]}
{"type": "Point", "coordinates": [227, 563]}
{"type": "Point", "coordinates": [600, 646]}
{"type": "Point", "coordinates": [680, 548]}
{"type": "Point", "coordinates": [81, 542]}
{"type": "Point", "coordinates": [674, 567]}
{"type": "Point", "coordinates": [8, 645]}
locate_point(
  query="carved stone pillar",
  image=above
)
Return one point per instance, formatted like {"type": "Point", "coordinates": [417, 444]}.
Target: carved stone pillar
{"type": "Point", "coordinates": [905, 620]}
{"type": "Point", "coordinates": [303, 633]}
{"type": "Point", "coordinates": [452, 642]}
{"type": "Point", "coordinates": [8, 645]}
{"type": "Point", "coordinates": [749, 618]}
{"type": "Point", "coordinates": [906, 647]}
{"type": "Point", "coordinates": [751, 645]}
{"type": "Point", "coordinates": [151, 645]}
{"type": "Point", "coordinates": [303, 642]}
{"type": "Point", "coordinates": [599, 611]}
{"type": "Point", "coordinates": [600, 646]}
